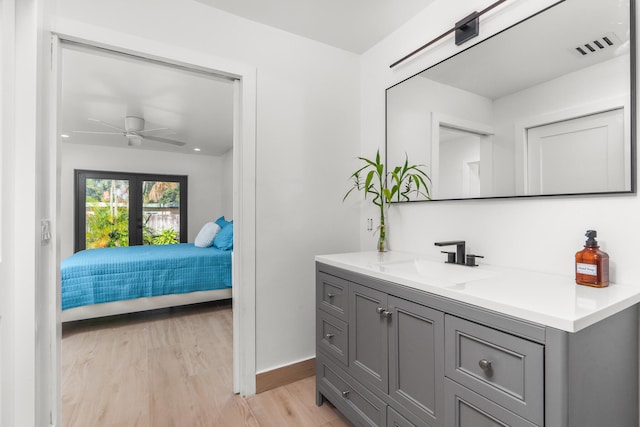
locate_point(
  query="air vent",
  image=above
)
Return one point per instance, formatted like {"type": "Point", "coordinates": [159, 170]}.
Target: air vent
{"type": "Point", "coordinates": [597, 45]}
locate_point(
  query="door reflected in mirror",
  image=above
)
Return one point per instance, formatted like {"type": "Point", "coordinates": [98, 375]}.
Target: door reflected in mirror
{"type": "Point", "coordinates": [534, 110]}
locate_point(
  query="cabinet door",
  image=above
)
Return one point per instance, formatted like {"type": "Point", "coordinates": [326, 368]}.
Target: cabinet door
{"type": "Point", "coordinates": [416, 358]}
{"type": "Point", "coordinates": [368, 332]}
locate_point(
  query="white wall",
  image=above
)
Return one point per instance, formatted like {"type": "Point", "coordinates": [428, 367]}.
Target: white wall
{"type": "Point", "coordinates": [307, 122]}
{"type": "Point", "coordinates": [206, 181]}
{"type": "Point", "coordinates": [540, 234]}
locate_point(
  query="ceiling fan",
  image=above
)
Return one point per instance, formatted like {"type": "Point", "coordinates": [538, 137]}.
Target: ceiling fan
{"type": "Point", "coordinates": [134, 131]}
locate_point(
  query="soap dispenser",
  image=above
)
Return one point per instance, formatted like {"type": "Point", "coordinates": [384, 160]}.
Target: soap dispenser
{"type": "Point", "coordinates": [592, 264]}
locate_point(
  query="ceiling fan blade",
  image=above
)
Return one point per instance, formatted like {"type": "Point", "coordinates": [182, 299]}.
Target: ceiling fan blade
{"type": "Point", "coordinates": [107, 124]}
{"type": "Point", "coordinates": [164, 140]}
{"type": "Point", "coordinates": [151, 130]}
{"type": "Point", "coordinates": [99, 133]}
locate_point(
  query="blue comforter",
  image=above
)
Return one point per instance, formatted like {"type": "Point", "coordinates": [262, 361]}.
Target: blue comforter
{"type": "Point", "coordinates": [111, 274]}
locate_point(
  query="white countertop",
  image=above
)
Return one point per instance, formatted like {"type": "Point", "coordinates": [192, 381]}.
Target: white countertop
{"type": "Point", "coordinates": [546, 299]}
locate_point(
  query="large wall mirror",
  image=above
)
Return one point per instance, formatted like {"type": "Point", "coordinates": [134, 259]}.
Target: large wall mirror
{"type": "Point", "coordinates": [545, 107]}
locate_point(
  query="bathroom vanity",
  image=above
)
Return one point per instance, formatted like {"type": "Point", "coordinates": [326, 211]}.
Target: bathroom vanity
{"type": "Point", "coordinates": [403, 341]}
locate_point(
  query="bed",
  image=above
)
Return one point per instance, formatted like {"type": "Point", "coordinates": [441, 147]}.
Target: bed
{"type": "Point", "coordinates": [108, 281]}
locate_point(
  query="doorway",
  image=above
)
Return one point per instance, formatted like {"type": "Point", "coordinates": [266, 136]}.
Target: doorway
{"type": "Point", "coordinates": [243, 79]}
{"type": "Point", "coordinates": [461, 158]}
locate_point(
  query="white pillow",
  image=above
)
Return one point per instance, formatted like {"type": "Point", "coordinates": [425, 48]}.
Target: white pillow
{"type": "Point", "coordinates": [205, 237]}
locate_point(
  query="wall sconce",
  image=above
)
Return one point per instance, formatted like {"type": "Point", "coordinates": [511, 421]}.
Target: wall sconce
{"type": "Point", "coordinates": [465, 29]}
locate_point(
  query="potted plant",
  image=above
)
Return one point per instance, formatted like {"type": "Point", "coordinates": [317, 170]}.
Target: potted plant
{"type": "Point", "coordinates": [389, 186]}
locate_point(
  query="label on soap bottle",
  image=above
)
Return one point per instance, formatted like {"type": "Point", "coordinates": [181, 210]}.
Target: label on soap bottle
{"type": "Point", "coordinates": [588, 269]}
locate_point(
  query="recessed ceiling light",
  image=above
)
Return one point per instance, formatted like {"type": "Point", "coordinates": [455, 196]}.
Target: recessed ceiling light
{"type": "Point", "coordinates": [196, 149]}
{"type": "Point", "coordinates": [64, 135]}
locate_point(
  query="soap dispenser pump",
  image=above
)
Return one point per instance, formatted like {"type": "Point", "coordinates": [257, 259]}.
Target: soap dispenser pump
{"type": "Point", "coordinates": [592, 264]}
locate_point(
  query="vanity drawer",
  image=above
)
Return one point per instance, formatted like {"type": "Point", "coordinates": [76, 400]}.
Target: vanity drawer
{"type": "Point", "coordinates": [504, 368]}
{"type": "Point", "coordinates": [332, 295]}
{"type": "Point", "coordinates": [333, 337]}
{"type": "Point", "coordinates": [360, 405]}
{"type": "Point", "coordinates": [464, 408]}
{"type": "Point", "coordinates": [394, 419]}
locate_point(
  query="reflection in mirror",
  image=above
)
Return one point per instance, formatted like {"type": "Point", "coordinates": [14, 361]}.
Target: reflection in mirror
{"type": "Point", "coordinates": [534, 110]}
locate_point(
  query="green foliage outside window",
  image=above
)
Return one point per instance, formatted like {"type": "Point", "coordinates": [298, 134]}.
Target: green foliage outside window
{"type": "Point", "coordinates": [105, 230]}
{"type": "Point", "coordinates": [168, 236]}
{"type": "Point", "coordinates": [107, 212]}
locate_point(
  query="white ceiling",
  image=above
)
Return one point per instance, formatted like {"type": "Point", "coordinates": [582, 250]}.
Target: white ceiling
{"type": "Point", "coordinates": [98, 85]}
{"type": "Point", "coordinates": [353, 25]}
{"type": "Point", "coordinates": [198, 109]}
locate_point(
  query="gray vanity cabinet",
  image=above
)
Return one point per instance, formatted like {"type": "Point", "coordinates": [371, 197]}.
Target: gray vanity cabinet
{"type": "Point", "coordinates": [392, 355]}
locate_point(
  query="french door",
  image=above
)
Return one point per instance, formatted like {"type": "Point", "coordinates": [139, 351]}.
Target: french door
{"type": "Point", "coordinates": [125, 209]}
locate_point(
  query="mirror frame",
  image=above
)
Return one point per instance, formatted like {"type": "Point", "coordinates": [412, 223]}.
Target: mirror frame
{"type": "Point", "coordinates": [632, 113]}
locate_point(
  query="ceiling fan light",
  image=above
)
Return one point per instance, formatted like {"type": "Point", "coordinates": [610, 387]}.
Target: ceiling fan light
{"type": "Point", "coordinates": [134, 140]}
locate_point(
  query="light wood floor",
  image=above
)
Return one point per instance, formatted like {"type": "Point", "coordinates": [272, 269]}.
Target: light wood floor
{"type": "Point", "coordinates": [171, 367]}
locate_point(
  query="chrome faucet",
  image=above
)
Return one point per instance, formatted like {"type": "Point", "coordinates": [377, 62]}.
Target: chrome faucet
{"type": "Point", "coordinates": [456, 257]}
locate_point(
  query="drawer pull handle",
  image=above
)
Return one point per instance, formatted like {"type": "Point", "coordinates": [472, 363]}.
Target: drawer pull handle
{"type": "Point", "coordinates": [485, 365]}
{"type": "Point", "coordinates": [345, 393]}
{"type": "Point", "coordinates": [329, 336]}
{"type": "Point", "coordinates": [330, 295]}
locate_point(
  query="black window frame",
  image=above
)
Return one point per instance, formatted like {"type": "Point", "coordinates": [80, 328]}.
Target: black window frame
{"type": "Point", "coordinates": [135, 202]}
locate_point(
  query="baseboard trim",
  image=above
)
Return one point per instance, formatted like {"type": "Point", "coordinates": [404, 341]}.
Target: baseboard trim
{"type": "Point", "coordinates": [285, 375]}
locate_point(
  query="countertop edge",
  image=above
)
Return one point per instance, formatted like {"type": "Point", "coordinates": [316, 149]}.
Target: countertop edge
{"type": "Point", "coordinates": [544, 319]}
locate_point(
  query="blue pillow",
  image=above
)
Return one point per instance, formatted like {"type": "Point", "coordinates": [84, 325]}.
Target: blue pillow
{"type": "Point", "coordinates": [222, 222]}
{"type": "Point", "coordinates": [207, 235]}
{"type": "Point", "coordinates": [224, 238]}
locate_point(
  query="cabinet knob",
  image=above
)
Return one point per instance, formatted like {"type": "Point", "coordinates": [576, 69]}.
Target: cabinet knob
{"type": "Point", "coordinates": [485, 365]}
{"type": "Point", "coordinates": [329, 336]}
{"type": "Point", "coordinates": [330, 295]}
{"type": "Point", "coordinates": [345, 393]}
{"type": "Point", "coordinates": [387, 314]}
{"type": "Point", "coordinates": [380, 310]}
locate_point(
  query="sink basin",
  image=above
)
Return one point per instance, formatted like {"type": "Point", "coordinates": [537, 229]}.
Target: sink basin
{"type": "Point", "coordinates": [439, 271]}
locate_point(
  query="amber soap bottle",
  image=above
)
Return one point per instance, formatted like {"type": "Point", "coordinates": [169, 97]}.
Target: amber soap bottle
{"type": "Point", "coordinates": [592, 264]}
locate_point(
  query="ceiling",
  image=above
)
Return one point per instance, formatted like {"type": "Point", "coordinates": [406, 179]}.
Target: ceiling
{"type": "Point", "coordinates": [101, 88]}
{"type": "Point", "coordinates": [353, 25]}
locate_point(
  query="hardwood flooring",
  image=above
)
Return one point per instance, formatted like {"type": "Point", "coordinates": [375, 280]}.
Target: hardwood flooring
{"type": "Point", "coordinates": [171, 367]}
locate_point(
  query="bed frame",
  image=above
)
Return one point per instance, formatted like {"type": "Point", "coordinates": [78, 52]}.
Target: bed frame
{"type": "Point", "coordinates": [142, 304]}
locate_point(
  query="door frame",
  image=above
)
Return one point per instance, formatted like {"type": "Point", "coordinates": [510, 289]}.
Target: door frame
{"type": "Point", "coordinates": [244, 180]}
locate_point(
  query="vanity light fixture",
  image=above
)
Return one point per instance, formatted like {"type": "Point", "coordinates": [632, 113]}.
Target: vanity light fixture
{"type": "Point", "coordinates": [465, 29]}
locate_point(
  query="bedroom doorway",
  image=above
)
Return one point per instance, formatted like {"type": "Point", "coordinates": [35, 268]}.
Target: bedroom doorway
{"type": "Point", "coordinates": [242, 193]}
